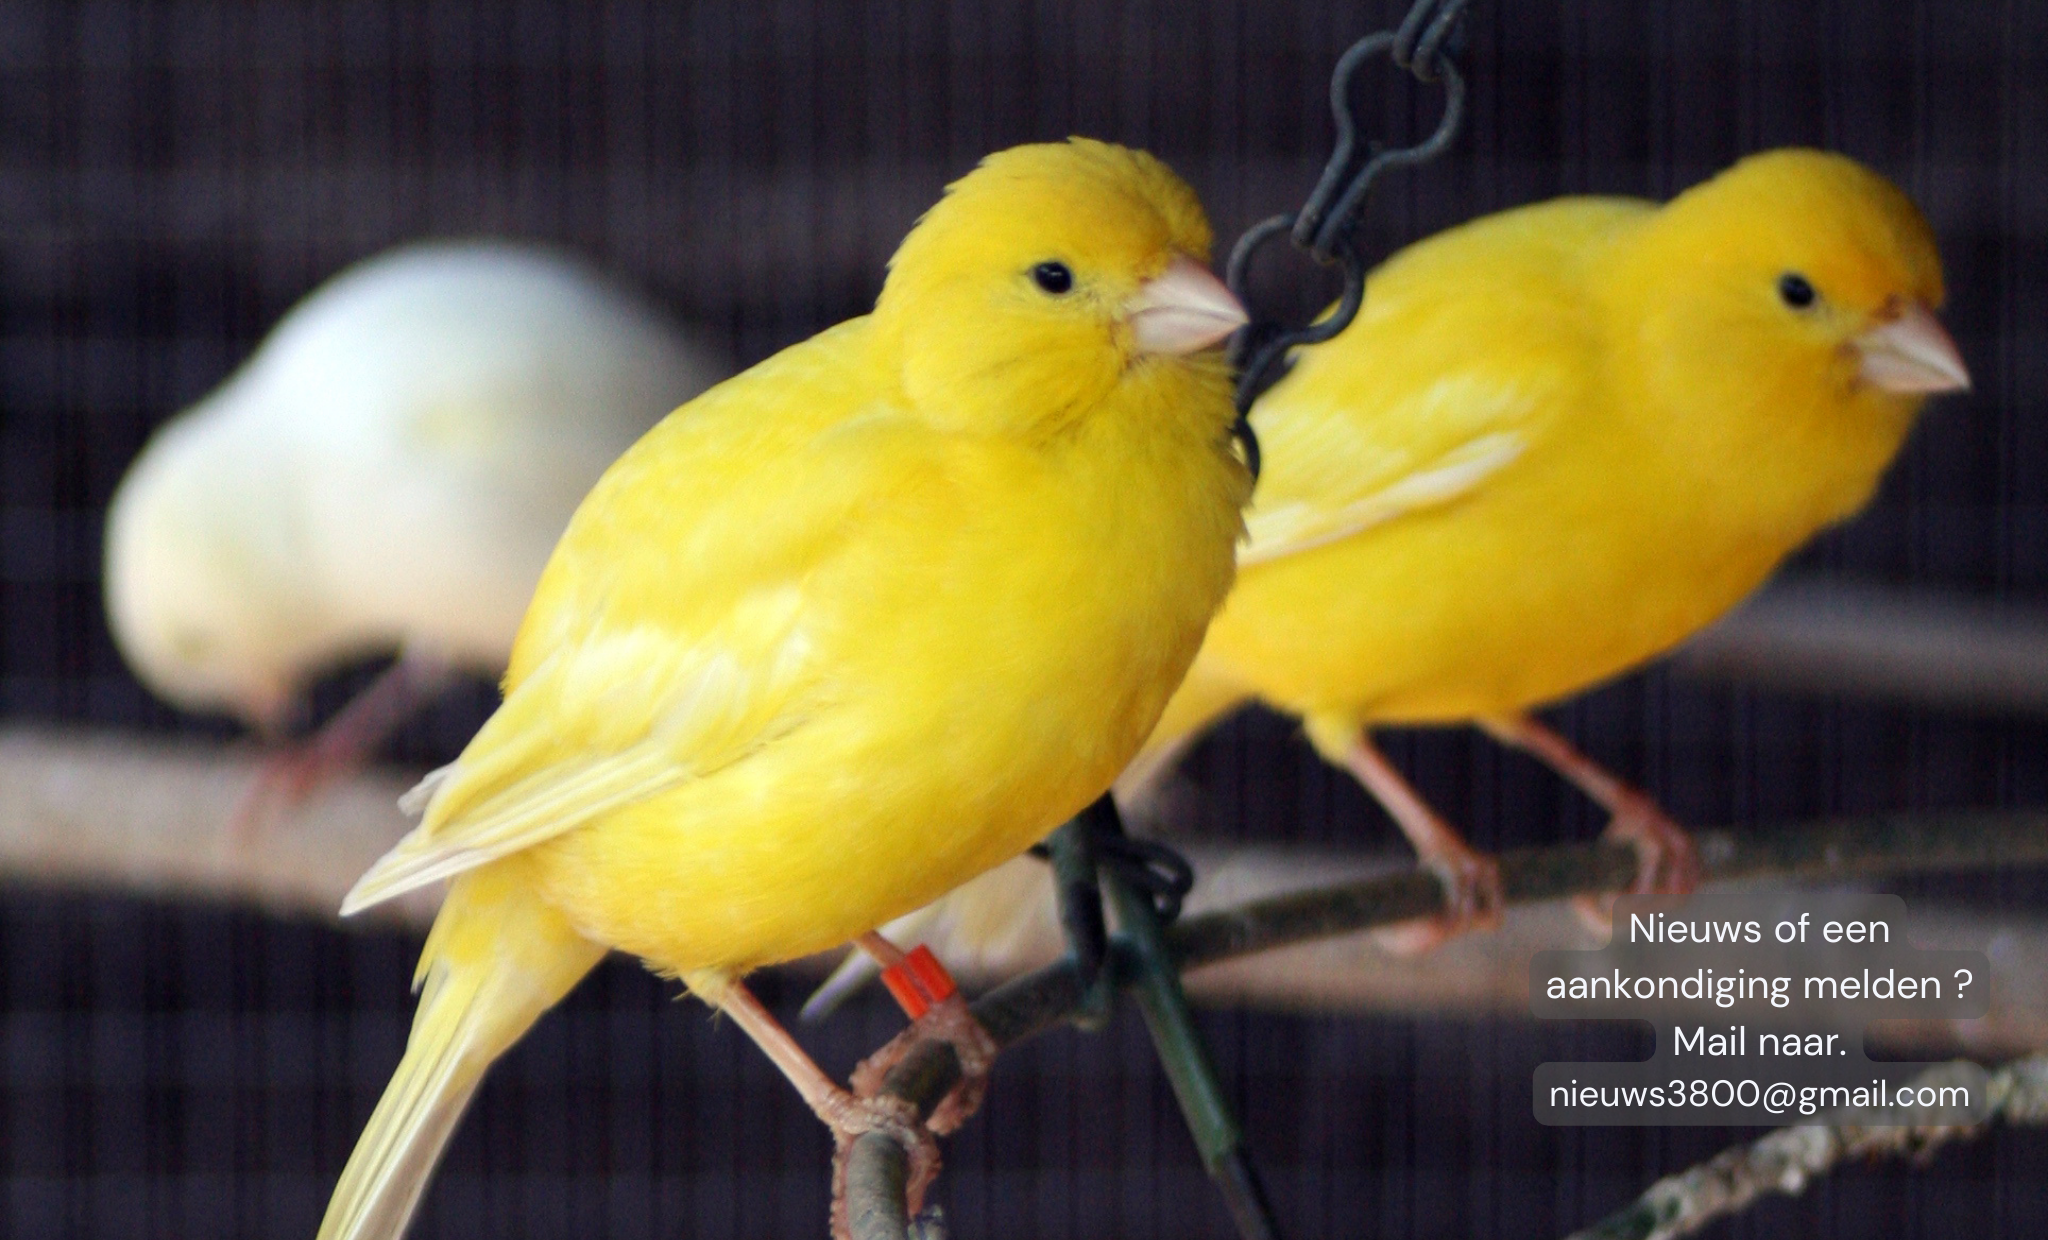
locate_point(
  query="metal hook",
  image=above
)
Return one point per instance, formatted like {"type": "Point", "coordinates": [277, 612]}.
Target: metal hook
{"type": "Point", "coordinates": [1344, 216]}
{"type": "Point", "coordinates": [1324, 225]}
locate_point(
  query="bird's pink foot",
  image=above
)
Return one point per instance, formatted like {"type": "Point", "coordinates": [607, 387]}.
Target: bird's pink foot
{"type": "Point", "coordinates": [1667, 860]}
{"type": "Point", "coordinates": [290, 777]}
{"type": "Point", "coordinates": [938, 1013]}
{"type": "Point", "coordinates": [849, 1115]}
{"type": "Point", "coordinates": [850, 1118]}
{"type": "Point", "coordinates": [1473, 900]}
{"type": "Point", "coordinates": [952, 1023]}
{"type": "Point", "coordinates": [285, 781]}
{"type": "Point", "coordinates": [1471, 880]}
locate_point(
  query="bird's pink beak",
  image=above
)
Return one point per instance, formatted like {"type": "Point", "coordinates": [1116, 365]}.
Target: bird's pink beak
{"type": "Point", "coordinates": [1910, 354]}
{"type": "Point", "coordinates": [1182, 309]}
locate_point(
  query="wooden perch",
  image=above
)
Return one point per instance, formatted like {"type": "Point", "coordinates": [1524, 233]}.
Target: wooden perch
{"type": "Point", "coordinates": [1473, 975]}
{"type": "Point", "coordinates": [1037, 1002]}
{"type": "Point", "coordinates": [150, 817]}
{"type": "Point", "coordinates": [1788, 1160]}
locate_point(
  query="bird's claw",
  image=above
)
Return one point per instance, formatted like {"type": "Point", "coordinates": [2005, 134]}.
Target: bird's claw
{"type": "Point", "coordinates": [867, 1109]}
{"type": "Point", "coordinates": [285, 781]}
{"type": "Point", "coordinates": [1473, 900]}
{"type": "Point", "coordinates": [1667, 859]}
{"type": "Point", "coordinates": [952, 1022]}
{"type": "Point", "coordinates": [851, 1117]}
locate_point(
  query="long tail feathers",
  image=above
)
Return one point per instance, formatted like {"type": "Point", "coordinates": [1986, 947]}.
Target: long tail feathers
{"type": "Point", "coordinates": [496, 960]}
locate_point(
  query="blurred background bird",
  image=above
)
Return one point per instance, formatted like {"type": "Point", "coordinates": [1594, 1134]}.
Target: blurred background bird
{"type": "Point", "coordinates": [1556, 442]}
{"type": "Point", "coordinates": [386, 474]}
{"type": "Point", "coordinates": [843, 632]}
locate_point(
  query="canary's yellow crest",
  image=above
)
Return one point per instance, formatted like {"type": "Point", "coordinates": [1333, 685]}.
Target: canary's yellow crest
{"type": "Point", "coordinates": [1556, 442]}
{"type": "Point", "coordinates": [840, 633]}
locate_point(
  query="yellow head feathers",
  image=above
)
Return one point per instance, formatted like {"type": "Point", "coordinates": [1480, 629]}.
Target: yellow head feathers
{"type": "Point", "coordinates": [1806, 278]}
{"type": "Point", "coordinates": [1118, 204]}
{"type": "Point", "coordinates": [1052, 271]}
{"type": "Point", "coordinates": [1847, 229]}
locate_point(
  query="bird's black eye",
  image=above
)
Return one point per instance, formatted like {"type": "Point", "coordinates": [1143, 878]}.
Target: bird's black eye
{"type": "Point", "coordinates": [1054, 278]}
{"type": "Point", "coordinates": [1795, 290]}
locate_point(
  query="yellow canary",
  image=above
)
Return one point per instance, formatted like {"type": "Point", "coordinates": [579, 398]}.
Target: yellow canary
{"type": "Point", "coordinates": [1556, 442]}
{"type": "Point", "coordinates": [839, 634]}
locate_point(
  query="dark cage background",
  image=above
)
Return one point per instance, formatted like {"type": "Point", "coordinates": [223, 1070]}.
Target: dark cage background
{"type": "Point", "coordinates": [173, 176]}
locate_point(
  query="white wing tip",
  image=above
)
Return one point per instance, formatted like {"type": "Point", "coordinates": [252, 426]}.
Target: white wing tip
{"type": "Point", "coordinates": [404, 868]}
{"type": "Point", "coordinates": [369, 891]}
{"type": "Point", "coordinates": [414, 802]}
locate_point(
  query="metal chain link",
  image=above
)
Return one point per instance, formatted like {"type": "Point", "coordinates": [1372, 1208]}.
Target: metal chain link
{"type": "Point", "coordinates": [1324, 225]}
{"type": "Point", "coordinates": [1147, 881]}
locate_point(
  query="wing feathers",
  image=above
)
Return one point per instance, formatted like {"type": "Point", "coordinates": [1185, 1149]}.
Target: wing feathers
{"type": "Point", "coordinates": [519, 784]}
{"type": "Point", "coordinates": [557, 799]}
{"type": "Point", "coordinates": [1288, 529]}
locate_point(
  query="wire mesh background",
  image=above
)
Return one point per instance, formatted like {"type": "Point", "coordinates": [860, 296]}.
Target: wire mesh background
{"type": "Point", "coordinates": [173, 176]}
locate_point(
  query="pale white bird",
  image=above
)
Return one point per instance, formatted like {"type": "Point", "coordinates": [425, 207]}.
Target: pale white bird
{"type": "Point", "coordinates": [388, 472]}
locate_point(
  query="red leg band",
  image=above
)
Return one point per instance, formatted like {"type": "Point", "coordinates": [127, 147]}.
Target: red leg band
{"type": "Point", "coordinates": [919, 982]}
{"type": "Point", "coordinates": [905, 991]}
{"type": "Point", "coordinates": [932, 978]}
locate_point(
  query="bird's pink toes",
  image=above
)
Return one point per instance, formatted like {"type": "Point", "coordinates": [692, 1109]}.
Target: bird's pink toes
{"type": "Point", "coordinates": [1667, 859]}
{"type": "Point", "coordinates": [283, 783]}
{"type": "Point", "coordinates": [851, 1117]}
{"type": "Point", "coordinates": [939, 1013]}
{"type": "Point", "coordinates": [1473, 900]}
{"type": "Point", "coordinates": [952, 1023]}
